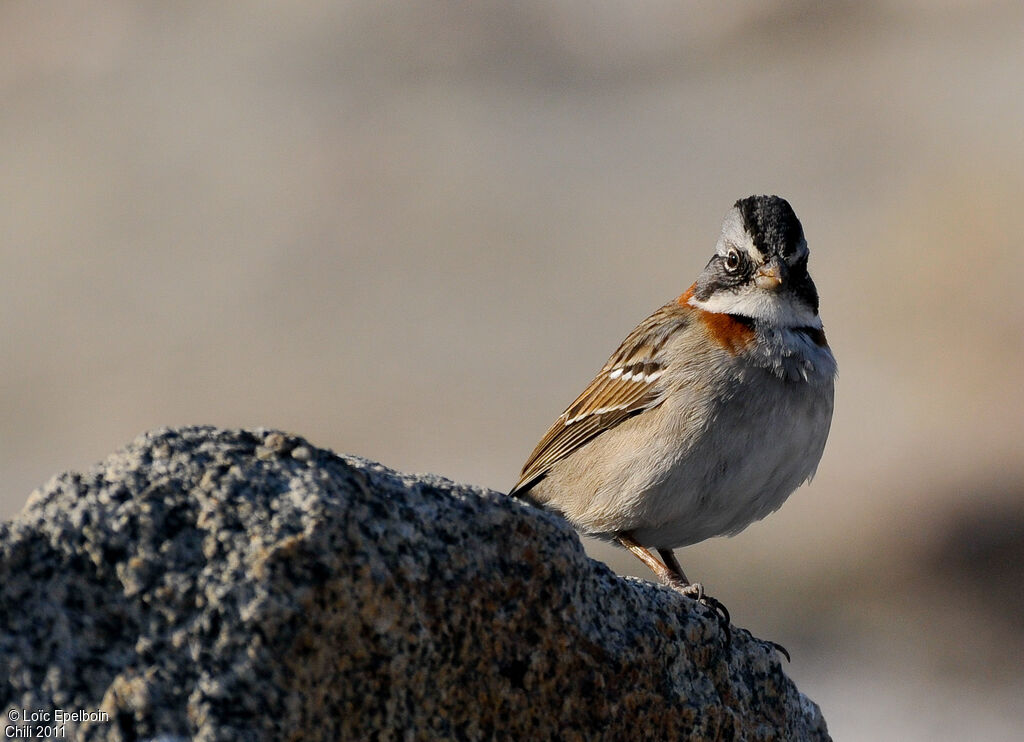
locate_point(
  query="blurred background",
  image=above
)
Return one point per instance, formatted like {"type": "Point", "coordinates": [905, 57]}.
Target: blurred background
{"type": "Point", "coordinates": [414, 231]}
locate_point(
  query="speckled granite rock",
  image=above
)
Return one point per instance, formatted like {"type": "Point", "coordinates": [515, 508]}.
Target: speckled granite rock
{"type": "Point", "coordinates": [227, 585]}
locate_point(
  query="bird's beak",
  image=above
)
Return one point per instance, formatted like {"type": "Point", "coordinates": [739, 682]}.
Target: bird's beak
{"type": "Point", "coordinates": [771, 275]}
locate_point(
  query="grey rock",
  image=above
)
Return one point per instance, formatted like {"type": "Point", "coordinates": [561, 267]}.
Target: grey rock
{"type": "Point", "coordinates": [246, 585]}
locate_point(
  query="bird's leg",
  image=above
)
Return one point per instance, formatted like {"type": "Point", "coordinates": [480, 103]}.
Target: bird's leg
{"type": "Point", "coordinates": [671, 573]}
{"type": "Point", "coordinates": [673, 578]}
{"type": "Point", "coordinates": [669, 557]}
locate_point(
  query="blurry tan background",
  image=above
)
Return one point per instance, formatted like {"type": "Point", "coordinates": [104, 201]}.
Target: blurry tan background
{"type": "Point", "coordinates": [414, 231]}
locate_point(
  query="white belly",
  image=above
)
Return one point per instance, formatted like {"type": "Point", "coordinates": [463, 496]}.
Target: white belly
{"type": "Point", "coordinates": [762, 446]}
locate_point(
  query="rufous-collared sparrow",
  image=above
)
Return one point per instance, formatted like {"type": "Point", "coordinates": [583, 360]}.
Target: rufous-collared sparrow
{"type": "Point", "coordinates": [711, 412]}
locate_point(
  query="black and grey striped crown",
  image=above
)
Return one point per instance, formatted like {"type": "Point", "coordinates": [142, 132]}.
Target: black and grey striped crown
{"type": "Point", "coordinates": [772, 224]}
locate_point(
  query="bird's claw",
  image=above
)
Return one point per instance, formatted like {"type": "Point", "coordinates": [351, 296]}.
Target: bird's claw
{"type": "Point", "coordinates": [695, 591]}
{"type": "Point", "coordinates": [769, 644]}
{"type": "Point", "coordinates": [778, 648]}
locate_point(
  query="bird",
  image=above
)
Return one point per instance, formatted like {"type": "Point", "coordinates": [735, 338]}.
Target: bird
{"type": "Point", "coordinates": [710, 413]}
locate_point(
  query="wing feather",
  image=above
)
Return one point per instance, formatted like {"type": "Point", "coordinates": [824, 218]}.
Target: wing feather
{"type": "Point", "coordinates": [630, 383]}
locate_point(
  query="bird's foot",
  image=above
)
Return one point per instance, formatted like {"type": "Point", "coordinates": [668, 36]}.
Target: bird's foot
{"type": "Point", "coordinates": [695, 591]}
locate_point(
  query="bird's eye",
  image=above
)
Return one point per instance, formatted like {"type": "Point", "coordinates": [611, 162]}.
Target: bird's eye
{"type": "Point", "coordinates": [732, 261]}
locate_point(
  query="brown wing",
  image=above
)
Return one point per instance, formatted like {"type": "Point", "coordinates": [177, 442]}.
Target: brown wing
{"type": "Point", "coordinates": [630, 383]}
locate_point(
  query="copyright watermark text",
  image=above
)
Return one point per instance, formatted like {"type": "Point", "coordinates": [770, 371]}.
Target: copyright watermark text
{"type": "Point", "coordinates": [48, 723]}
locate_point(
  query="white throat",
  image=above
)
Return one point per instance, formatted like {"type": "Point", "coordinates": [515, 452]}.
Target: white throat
{"type": "Point", "coordinates": [778, 310]}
